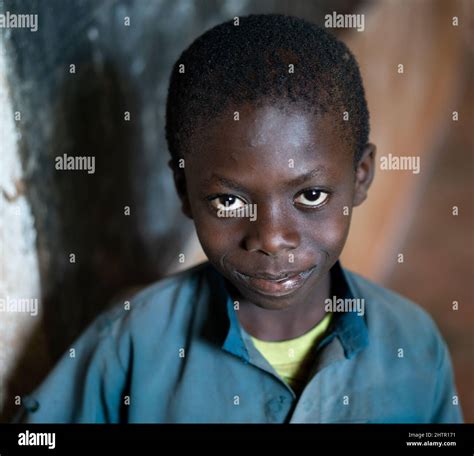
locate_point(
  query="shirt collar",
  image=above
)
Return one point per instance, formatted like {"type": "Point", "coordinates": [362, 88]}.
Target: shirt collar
{"type": "Point", "coordinates": [234, 342]}
{"type": "Point", "coordinates": [349, 327]}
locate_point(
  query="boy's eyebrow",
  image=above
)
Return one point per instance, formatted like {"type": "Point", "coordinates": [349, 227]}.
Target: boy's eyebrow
{"type": "Point", "coordinates": [226, 182]}
{"type": "Point", "coordinates": [305, 177]}
{"type": "Point", "coordinates": [292, 183]}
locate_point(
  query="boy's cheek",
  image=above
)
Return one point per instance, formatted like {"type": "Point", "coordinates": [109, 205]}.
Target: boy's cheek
{"type": "Point", "coordinates": [215, 235]}
{"type": "Point", "coordinates": [332, 232]}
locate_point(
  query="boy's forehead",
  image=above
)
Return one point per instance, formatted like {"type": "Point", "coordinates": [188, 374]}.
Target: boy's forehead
{"type": "Point", "coordinates": [269, 146]}
{"type": "Point", "coordinates": [270, 125]}
{"type": "Point", "coordinates": [268, 132]}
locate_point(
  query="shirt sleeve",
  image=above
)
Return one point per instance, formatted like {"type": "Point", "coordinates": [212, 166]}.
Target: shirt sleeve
{"type": "Point", "coordinates": [86, 386]}
{"type": "Point", "coordinates": [447, 408]}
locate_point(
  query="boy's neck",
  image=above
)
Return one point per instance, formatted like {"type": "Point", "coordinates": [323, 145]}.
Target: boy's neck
{"type": "Point", "coordinates": [288, 323]}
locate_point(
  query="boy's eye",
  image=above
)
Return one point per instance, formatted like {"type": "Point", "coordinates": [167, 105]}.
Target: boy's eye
{"type": "Point", "coordinates": [312, 198]}
{"type": "Point", "coordinates": [227, 203]}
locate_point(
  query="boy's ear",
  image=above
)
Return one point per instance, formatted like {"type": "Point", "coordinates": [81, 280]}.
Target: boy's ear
{"type": "Point", "coordinates": [364, 174]}
{"type": "Point", "coordinates": [180, 184]}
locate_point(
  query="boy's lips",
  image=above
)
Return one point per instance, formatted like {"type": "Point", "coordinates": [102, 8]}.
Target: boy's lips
{"type": "Point", "coordinates": [280, 284]}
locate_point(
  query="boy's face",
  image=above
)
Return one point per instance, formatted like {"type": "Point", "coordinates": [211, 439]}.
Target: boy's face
{"type": "Point", "coordinates": [299, 173]}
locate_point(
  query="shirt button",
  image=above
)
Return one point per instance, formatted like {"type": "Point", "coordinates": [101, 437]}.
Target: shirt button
{"type": "Point", "coordinates": [275, 406]}
{"type": "Point", "coordinates": [30, 404]}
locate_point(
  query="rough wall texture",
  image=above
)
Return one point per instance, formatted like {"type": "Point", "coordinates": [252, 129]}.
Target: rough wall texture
{"type": "Point", "coordinates": [19, 269]}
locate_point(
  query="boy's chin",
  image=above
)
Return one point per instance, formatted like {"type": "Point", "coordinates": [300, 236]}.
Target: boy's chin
{"type": "Point", "coordinates": [267, 302]}
{"type": "Point", "coordinates": [273, 305]}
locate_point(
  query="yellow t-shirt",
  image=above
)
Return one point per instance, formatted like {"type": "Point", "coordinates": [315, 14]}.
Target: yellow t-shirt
{"type": "Point", "coordinates": [290, 357]}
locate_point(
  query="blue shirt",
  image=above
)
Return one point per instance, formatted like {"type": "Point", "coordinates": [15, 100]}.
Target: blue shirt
{"type": "Point", "coordinates": [179, 355]}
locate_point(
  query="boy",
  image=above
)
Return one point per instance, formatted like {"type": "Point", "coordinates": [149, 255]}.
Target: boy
{"type": "Point", "coordinates": [266, 115]}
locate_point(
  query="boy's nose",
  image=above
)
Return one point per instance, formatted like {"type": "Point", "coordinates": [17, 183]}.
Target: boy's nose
{"type": "Point", "coordinates": [271, 233]}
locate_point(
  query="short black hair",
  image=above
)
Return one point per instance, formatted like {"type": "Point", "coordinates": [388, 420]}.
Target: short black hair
{"type": "Point", "coordinates": [232, 64]}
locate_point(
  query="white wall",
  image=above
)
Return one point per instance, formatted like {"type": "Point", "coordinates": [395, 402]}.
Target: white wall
{"type": "Point", "coordinates": [19, 269]}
